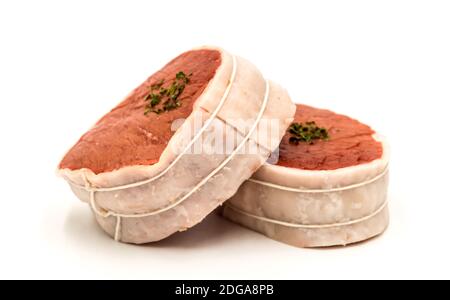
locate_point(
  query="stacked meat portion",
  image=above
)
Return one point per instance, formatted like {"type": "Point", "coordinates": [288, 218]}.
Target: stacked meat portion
{"type": "Point", "coordinates": [324, 192]}
{"type": "Point", "coordinates": [140, 167]}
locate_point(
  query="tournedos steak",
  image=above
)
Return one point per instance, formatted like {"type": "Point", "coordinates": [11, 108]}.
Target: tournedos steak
{"type": "Point", "coordinates": [325, 192]}
{"type": "Point", "coordinates": [143, 179]}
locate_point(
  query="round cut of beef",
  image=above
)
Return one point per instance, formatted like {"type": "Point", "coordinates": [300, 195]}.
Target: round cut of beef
{"type": "Point", "coordinates": [153, 166]}
{"type": "Point", "coordinates": [323, 192]}
{"type": "Point", "coordinates": [126, 135]}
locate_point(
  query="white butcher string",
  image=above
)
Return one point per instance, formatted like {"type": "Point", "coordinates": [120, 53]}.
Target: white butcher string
{"type": "Point", "coordinates": [309, 226]}
{"type": "Point", "coordinates": [118, 216]}
{"type": "Point", "coordinates": [313, 191]}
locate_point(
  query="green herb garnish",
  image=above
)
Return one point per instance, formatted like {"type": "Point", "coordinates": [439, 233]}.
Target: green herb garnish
{"type": "Point", "coordinates": [307, 132]}
{"type": "Point", "coordinates": [169, 94]}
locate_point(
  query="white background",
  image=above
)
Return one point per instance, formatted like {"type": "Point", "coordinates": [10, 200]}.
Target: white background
{"type": "Point", "coordinates": [63, 64]}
